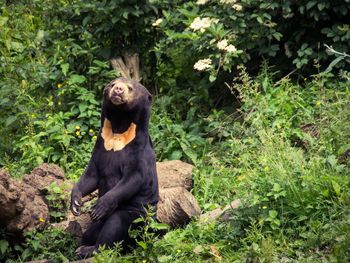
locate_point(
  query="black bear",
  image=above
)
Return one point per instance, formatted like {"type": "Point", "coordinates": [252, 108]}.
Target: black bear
{"type": "Point", "coordinates": [122, 167]}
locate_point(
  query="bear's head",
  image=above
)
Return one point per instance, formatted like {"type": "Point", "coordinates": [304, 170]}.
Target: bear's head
{"type": "Point", "coordinates": [125, 94]}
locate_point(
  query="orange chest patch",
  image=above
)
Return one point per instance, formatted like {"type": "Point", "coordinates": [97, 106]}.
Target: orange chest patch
{"type": "Point", "coordinates": [117, 141]}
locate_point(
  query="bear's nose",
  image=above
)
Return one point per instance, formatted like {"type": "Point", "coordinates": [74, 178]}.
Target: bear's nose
{"type": "Point", "coordinates": [118, 90]}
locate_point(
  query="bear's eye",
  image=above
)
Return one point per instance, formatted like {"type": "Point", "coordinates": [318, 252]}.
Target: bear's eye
{"type": "Point", "coordinates": [130, 88]}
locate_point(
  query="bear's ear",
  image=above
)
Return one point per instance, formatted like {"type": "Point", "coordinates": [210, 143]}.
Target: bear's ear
{"type": "Point", "coordinates": [150, 98]}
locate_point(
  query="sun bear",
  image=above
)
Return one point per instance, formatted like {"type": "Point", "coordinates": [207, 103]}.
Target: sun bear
{"type": "Point", "coordinates": [122, 167]}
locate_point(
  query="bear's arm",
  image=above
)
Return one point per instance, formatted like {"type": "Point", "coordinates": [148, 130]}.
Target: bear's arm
{"type": "Point", "coordinates": [86, 185]}
{"type": "Point", "coordinates": [125, 189]}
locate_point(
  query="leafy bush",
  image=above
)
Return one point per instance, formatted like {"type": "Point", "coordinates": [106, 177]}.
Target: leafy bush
{"type": "Point", "coordinates": [51, 243]}
{"type": "Point", "coordinates": [234, 32]}
{"type": "Point", "coordinates": [54, 244]}
{"type": "Point", "coordinates": [57, 198]}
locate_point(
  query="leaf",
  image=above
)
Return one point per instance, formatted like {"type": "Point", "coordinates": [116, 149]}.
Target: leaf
{"type": "Point", "coordinates": [159, 226]}
{"type": "Point", "coordinates": [212, 78]}
{"type": "Point", "coordinates": [175, 155]}
{"type": "Point", "coordinates": [35, 244]}
{"type": "Point", "coordinates": [265, 84]}
{"type": "Point", "coordinates": [139, 220]}
{"type": "Point", "coordinates": [310, 4]}
{"type": "Point", "coordinates": [276, 187]}
{"type": "Point", "coordinates": [10, 120]}
{"type": "Point", "coordinates": [273, 213]}
{"type": "Point", "coordinates": [165, 258]}
{"type": "Point", "coordinates": [26, 253]}
{"type": "Point", "coordinates": [65, 67]}
{"type": "Point", "coordinates": [82, 107]}
{"type": "Point", "coordinates": [86, 20]}
{"type": "Point", "coordinates": [277, 36]}
{"type": "Point", "coordinates": [17, 46]}
{"type": "Point", "coordinates": [259, 19]}
{"type": "Point", "coordinates": [333, 63]}
{"type": "Point", "coordinates": [302, 218]}
{"type": "Point", "coordinates": [275, 223]}
{"type": "Point", "coordinates": [64, 259]}
{"type": "Point", "coordinates": [3, 20]}
{"type": "Point", "coordinates": [321, 6]}
{"type": "Point", "coordinates": [142, 244]}
{"type": "Point", "coordinates": [336, 188]}
{"type": "Point", "coordinates": [308, 51]}
{"type": "Point", "coordinates": [3, 246]}
{"type": "Point", "coordinates": [76, 79]}
{"type": "Point", "coordinates": [332, 160]}
{"type": "Point", "coordinates": [40, 36]}
{"type": "Point", "coordinates": [4, 101]}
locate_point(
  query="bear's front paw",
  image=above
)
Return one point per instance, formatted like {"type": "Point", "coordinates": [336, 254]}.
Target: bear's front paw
{"type": "Point", "coordinates": [76, 204]}
{"type": "Point", "coordinates": [100, 210]}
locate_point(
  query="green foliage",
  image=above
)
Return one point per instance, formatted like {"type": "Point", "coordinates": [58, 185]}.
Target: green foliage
{"type": "Point", "coordinates": [284, 151]}
{"type": "Point", "coordinates": [145, 235]}
{"type": "Point", "coordinates": [177, 139]}
{"type": "Point", "coordinates": [57, 198]}
{"type": "Point", "coordinates": [234, 32]}
{"type": "Point", "coordinates": [52, 97]}
{"type": "Point", "coordinates": [51, 243]}
{"type": "Point", "coordinates": [54, 244]}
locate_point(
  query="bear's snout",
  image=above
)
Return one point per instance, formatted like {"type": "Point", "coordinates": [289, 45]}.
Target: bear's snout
{"type": "Point", "coordinates": [118, 90]}
{"type": "Point", "coordinates": [118, 93]}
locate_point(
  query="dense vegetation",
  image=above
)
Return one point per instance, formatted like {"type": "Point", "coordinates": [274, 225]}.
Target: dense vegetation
{"type": "Point", "coordinates": [245, 90]}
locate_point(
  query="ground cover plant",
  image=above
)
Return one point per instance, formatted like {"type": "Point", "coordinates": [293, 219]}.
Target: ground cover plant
{"type": "Point", "coordinates": [245, 90]}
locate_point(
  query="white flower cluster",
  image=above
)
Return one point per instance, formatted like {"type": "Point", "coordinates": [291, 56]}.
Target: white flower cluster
{"type": "Point", "coordinates": [157, 22]}
{"type": "Point", "coordinates": [223, 45]}
{"type": "Point", "coordinates": [233, 4]}
{"type": "Point", "coordinates": [202, 23]}
{"type": "Point", "coordinates": [237, 7]}
{"type": "Point", "coordinates": [202, 2]}
{"type": "Point", "coordinates": [203, 64]}
{"type": "Point", "coordinates": [228, 2]}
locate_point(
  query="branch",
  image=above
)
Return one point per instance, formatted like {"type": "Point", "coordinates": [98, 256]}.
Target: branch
{"type": "Point", "coordinates": [332, 50]}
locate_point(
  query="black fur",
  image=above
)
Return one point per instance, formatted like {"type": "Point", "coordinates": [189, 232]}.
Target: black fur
{"type": "Point", "coordinates": [126, 180]}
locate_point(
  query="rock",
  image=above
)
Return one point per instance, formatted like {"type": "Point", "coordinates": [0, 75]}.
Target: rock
{"type": "Point", "coordinates": [22, 204]}
{"type": "Point", "coordinates": [75, 225]}
{"type": "Point", "coordinates": [42, 176]}
{"type": "Point", "coordinates": [174, 173]}
{"type": "Point", "coordinates": [20, 208]}
{"type": "Point", "coordinates": [176, 206]}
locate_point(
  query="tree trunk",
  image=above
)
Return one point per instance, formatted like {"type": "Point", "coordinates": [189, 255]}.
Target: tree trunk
{"type": "Point", "coordinates": [128, 66]}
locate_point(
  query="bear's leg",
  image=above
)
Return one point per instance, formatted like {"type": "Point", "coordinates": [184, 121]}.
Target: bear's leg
{"type": "Point", "coordinates": [88, 240]}
{"type": "Point", "coordinates": [115, 228]}
{"type": "Point", "coordinates": [85, 251]}
{"type": "Point", "coordinates": [90, 236]}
